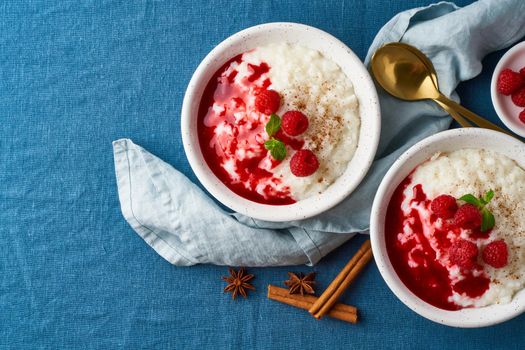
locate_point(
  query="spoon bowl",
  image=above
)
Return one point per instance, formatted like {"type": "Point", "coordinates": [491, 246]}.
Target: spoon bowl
{"type": "Point", "coordinates": [403, 74]}
{"type": "Point", "coordinates": [426, 61]}
{"type": "Point", "coordinates": [433, 74]}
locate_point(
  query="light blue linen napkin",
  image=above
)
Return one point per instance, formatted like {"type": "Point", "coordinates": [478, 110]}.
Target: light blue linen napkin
{"type": "Point", "coordinates": [186, 227]}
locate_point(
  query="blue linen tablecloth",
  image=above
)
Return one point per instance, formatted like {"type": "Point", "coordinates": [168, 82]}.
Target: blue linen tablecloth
{"type": "Point", "coordinates": [76, 75]}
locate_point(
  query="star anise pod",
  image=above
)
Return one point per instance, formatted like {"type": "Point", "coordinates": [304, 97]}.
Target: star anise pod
{"type": "Point", "coordinates": [238, 282]}
{"type": "Point", "coordinates": [300, 283]}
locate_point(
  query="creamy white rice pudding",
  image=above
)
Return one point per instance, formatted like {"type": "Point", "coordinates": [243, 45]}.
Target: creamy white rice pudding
{"type": "Point", "coordinates": [232, 123]}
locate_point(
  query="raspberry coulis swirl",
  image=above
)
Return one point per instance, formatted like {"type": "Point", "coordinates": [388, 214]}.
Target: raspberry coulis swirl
{"type": "Point", "coordinates": [419, 244]}
{"type": "Point", "coordinates": [232, 135]}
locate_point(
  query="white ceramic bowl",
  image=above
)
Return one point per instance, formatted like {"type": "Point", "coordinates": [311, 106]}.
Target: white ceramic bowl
{"type": "Point", "coordinates": [507, 111]}
{"type": "Point", "coordinates": [445, 141]}
{"type": "Point", "coordinates": [331, 48]}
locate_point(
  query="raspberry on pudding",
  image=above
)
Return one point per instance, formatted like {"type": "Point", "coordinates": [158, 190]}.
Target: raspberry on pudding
{"type": "Point", "coordinates": [279, 123]}
{"type": "Point", "coordinates": [455, 229]}
{"type": "Point", "coordinates": [267, 101]}
{"type": "Point", "coordinates": [294, 123]}
{"type": "Point", "coordinates": [444, 206]}
{"type": "Point", "coordinates": [304, 163]}
{"type": "Point", "coordinates": [496, 254]}
{"type": "Point", "coordinates": [463, 253]}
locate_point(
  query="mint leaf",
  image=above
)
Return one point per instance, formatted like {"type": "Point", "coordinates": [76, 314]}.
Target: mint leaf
{"type": "Point", "coordinates": [487, 221]}
{"type": "Point", "coordinates": [471, 199]}
{"type": "Point", "coordinates": [277, 149]}
{"type": "Point", "coordinates": [270, 144]}
{"type": "Point", "coordinates": [273, 125]}
{"type": "Point", "coordinates": [488, 196]}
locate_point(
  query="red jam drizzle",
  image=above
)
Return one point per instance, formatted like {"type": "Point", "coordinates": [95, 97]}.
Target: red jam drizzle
{"type": "Point", "coordinates": [473, 286]}
{"type": "Point", "coordinates": [258, 70]}
{"type": "Point", "coordinates": [477, 234]}
{"type": "Point", "coordinates": [429, 280]}
{"type": "Point", "coordinates": [294, 143]}
{"type": "Point", "coordinates": [243, 134]}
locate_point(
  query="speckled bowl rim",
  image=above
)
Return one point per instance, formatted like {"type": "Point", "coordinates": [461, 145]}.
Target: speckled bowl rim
{"type": "Point", "coordinates": [442, 142]}
{"type": "Point", "coordinates": [333, 49]}
{"type": "Point", "coordinates": [511, 122]}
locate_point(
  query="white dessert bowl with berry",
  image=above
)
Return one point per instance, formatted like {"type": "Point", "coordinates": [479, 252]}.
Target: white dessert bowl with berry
{"type": "Point", "coordinates": [280, 122]}
{"type": "Point", "coordinates": [448, 230]}
{"type": "Point", "coordinates": [507, 89]}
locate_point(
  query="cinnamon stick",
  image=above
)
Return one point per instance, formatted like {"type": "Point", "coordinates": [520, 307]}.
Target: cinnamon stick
{"type": "Point", "coordinates": [339, 311]}
{"type": "Point", "coordinates": [329, 297]}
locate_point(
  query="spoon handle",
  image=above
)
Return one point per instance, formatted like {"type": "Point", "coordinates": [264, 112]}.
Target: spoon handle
{"type": "Point", "coordinates": [457, 117]}
{"type": "Point", "coordinates": [473, 117]}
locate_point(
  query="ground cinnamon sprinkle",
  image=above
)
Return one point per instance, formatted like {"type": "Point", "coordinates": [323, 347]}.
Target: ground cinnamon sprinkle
{"type": "Point", "coordinates": [320, 116]}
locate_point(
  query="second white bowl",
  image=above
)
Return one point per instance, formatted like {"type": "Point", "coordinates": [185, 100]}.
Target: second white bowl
{"type": "Point", "coordinates": [445, 141]}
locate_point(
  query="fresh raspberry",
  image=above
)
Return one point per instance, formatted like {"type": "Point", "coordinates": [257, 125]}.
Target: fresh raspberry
{"type": "Point", "coordinates": [522, 72]}
{"type": "Point", "coordinates": [496, 254]}
{"type": "Point", "coordinates": [518, 97]}
{"type": "Point", "coordinates": [303, 163]}
{"type": "Point", "coordinates": [444, 206]}
{"type": "Point", "coordinates": [509, 81]}
{"type": "Point", "coordinates": [294, 123]}
{"type": "Point", "coordinates": [522, 116]}
{"type": "Point", "coordinates": [463, 253]}
{"type": "Point", "coordinates": [267, 101]}
{"type": "Point", "coordinates": [467, 217]}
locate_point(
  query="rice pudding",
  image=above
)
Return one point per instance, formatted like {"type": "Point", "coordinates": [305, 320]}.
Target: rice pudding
{"type": "Point", "coordinates": [455, 229]}
{"type": "Point", "coordinates": [279, 123]}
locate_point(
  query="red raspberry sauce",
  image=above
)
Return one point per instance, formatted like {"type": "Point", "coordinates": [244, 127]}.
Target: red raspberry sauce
{"type": "Point", "coordinates": [246, 135]}
{"type": "Point", "coordinates": [429, 280]}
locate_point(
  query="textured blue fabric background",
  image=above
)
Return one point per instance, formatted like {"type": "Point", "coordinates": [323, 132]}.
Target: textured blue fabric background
{"type": "Point", "coordinates": [76, 75]}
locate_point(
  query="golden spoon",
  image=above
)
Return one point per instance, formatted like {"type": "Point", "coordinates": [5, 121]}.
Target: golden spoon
{"type": "Point", "coordinates": [403, 74]}
{"type": "Point", "coordinates": [457, 117]}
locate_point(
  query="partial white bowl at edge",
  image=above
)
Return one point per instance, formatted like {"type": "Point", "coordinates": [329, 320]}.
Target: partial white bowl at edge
{"type": "Point", "coordinates": [507, 111]}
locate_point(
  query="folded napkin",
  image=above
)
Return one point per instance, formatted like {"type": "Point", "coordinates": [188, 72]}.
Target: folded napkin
{"type": "Point", "coordinates": [177, 219]}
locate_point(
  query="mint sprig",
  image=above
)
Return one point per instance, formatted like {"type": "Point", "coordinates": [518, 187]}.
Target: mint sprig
{"type": "Point", "coordinates": [487, 218]}
{"type": "Point", "coordinates": [273, 125]}
{"type": "Point", "coordinates": [276, 147]}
